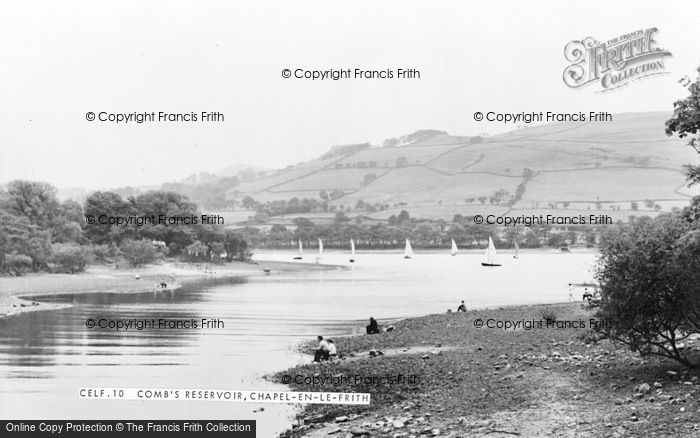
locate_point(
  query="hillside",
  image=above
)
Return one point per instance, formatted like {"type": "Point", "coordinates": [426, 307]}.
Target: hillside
{"type": "Point", "coordinates": [578, 167]}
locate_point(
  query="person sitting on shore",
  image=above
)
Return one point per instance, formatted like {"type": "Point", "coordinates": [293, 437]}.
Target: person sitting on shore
{"type": "Point", "coordinates": [322, 351]}
{"type": "Point", "coordinates": [373, 327]}
{"type": "Point", "coordinates": [587, 295]}
{"type": "Point", "coordinates": [332, 350]}
{"type": "Point", "coordinates": [462, 307]}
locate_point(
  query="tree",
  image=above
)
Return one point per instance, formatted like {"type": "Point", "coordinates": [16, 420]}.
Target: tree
{"type": "Point", "coordinates": [555, 240]}
{"type": "Point", "coordinates": [19, 237]}
{"type": "Point", "coordinates": [167, 204]}
{"type": "Point", "coordinates": [336, 194]}
{"type": "Point", "coordinates": [196, 252]}
{"type": "Point", "coordinates": [425, 233]}
{"type": "Point", "coordinates": [368, 178]}
{"type": "Point", "coordinates": [341, 217]}
{"type": "Point", "coordinates": [17, 264]}
{"type": "Point", "coordinates": [248, 203]}
{"type": "Point", "coordinates": [106, 253]}
{"type": "Point", "coordinates": [302, 222]}
{"type": "Point", "coordinates": [35, 201]}
{"type": "Point", "coordinates": [691, 213]}
{"type": "Point", "coordinates": [236, 246]}
{"type": "Point", "coordinates": [649, 286]}
{"type": "Point", "coordinates": [107, 204]}
{"type": "Point", "coordinates": [70, 258]}
{"type": "Point", "coordinates": [531, 239]}
{"type": "Point", "coordinates": [686, 122]}
{"type": "Point", "coordinates": [139, 252]}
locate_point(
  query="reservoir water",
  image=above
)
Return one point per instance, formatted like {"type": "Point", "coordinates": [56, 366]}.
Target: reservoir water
{"type": "Point", "coordinates": [46, 356]}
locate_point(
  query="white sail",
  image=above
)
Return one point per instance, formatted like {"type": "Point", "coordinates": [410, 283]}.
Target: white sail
{"type": "Point", "coordinates": [408, 252]}
{"type": "Point", "coordinates": [301, 252]}
{"type": "Point", "coordinates": [491, 254]}
{"type": "Point", "coordinates": [454, 248]}
{"type": "Point", "coordinates": [320, 251]}
{"type": "Point", "coordinates": [516, 250]}
{"type": "Point", "coordinates": [352, 247]}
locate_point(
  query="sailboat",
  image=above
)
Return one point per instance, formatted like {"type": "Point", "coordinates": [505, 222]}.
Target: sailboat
{"type": "Point", "coordinates": [454, 248]}
{"type": "Point", "coordinates": [320, 251]}
{"type": "Point", "coordinates": [352, 251]}
{"type": "Point", "coordinates": [490, 255]}
{"type": "Point", "coordinates": [408, 252]}
{"type": "Point", "coordinates": [301, 252]}
{"type": "Point", "coordinates": [515, 256]}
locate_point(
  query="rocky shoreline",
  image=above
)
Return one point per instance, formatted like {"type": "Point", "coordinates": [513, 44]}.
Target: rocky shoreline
{"type": "Point", "coordinates": [500, 383]}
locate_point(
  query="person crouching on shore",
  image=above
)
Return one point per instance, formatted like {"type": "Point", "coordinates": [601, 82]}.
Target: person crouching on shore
{"type": "Point", "coordinates": [322, 352]}
{"type": "Point", "coordinates": [373, 327]}
{"type": "Point", "coordinates": [332, 350]}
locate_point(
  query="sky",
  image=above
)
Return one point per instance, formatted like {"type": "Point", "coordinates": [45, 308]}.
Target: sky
{"type": "Point", "coordinates": [61, 60]}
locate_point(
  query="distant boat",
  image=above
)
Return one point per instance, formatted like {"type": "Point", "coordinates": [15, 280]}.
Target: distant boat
{"type": "Point", "coordinates": [352, 251]}
{"type": "Point", "coordinates": [454, 248]}
{"type": "Point", "coordinates": [515, 256]}
{"type": "Point", "coordinates": [163, 287]}
{"type": "Point", "coordinates": [490, 255]}
{"type": "Point", "coordinates": [408, 252]}
{"type": "Point", "coordinates": [301, 252]}
{"type": "Point", "coordinates": [320, 251]}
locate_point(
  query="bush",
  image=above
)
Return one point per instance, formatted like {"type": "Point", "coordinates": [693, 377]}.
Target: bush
{"type": "Point", "coordinates": [17, 264]}
{"type": "Point", "coordinates": [105, 253]}
{"type": "Point", "coordinates": [139, 252]}
{"type": "Point", "coordinates": [649, 279]}
{"type": "Point", "coordinates": [549, 316]}
{"type": "Point", "coordinates": [70, 258]}
{"type": "Point", "coordinates": [196, 252]}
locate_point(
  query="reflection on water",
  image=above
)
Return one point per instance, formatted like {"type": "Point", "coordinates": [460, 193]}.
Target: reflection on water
{"type": "Point", "coordinates": [46, 356]}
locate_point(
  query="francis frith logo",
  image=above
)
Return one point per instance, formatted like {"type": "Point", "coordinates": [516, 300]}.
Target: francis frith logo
{"type": "Point", "coordinates": [614, 63]}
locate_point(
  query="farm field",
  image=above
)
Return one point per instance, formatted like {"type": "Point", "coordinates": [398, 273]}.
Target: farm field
{"type": "Point", "coordinates": [614, 163]}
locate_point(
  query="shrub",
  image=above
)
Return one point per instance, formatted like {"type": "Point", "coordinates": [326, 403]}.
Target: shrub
{"type": "Point", "coordinates": [649, 279]}
{"type": "Point", "coordinates": [139, 252]}
{"type": "Point", "coordinates": [549, 316]}
{"type": "Point", "coordinates": [105, 253]}
{"type": "Point", "coordinates": [17, 264]}
{"type": "Point", "coordinates": [70, 258]}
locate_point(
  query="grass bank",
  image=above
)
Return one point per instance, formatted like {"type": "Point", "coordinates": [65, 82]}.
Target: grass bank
{"type": "Point", "coordinates": [558, 382]}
